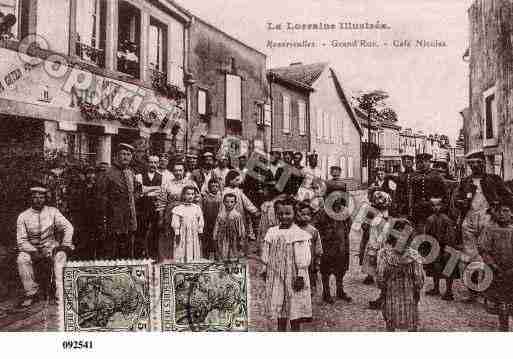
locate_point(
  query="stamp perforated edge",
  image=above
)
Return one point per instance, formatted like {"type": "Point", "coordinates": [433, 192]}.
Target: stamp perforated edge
{"type": "Point", "coordinates": [112, 263]}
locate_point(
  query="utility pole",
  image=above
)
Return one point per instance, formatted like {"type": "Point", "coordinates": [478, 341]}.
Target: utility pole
{"type": "Point", "coordinates": [368, 147]}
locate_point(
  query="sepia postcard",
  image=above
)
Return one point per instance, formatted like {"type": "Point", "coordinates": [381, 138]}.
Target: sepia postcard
{"type": "Point", "coordinates": [255, 166]}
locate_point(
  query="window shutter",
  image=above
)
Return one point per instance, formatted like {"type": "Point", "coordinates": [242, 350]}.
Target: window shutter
{"type": "Point", "coordinates": [343, 167]}
{"type": "Point", "coordinates": [319, 123]}
{"type": "Point", "coordinates": [286, 114]}
{"type": "Point", "coordinates": [350, 167]}
{"type": "Point", "coordinates": [302, 117]}
{"type": "Point", "coordinates": [233, 97]}
{"type": "Point", "coordinates": [267, 115]}
{"type": "Point", "coordinates": [176, 32]}
{"type": "Point", "coordinates": [325, 126]}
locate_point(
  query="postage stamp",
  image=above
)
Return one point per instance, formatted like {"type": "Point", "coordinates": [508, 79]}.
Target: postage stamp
{"type": "Point", "coordinates": [207, 296]}
{"type": "Point", "coordinates": [114, 296]}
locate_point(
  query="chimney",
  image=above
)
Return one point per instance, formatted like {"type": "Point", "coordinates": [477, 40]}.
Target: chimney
{"type": "Point", "coordinates": [296, 64]}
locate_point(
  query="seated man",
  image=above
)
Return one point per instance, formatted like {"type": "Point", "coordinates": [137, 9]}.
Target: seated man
{"type": "Point", "coordinates": [42, 232]}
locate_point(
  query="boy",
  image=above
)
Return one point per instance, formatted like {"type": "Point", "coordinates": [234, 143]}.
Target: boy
{"type": "Point", "coordinates": [496, 248]}
{"type": "Point", "coordinates": [211, 203]}
{"type": "Point", "coordinates": [442, 228]}
{"type": "Point", "coordinates": [303, 219]}
{"type": "Point", "coordinates": [286, 256]}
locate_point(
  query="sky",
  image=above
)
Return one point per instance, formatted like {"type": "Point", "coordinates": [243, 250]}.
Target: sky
{"type": "Point", "coordinates": [428, 87]}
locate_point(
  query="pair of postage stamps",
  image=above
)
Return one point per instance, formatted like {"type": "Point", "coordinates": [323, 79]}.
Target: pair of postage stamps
{"type": "Point", "coordinates": [131, 295]}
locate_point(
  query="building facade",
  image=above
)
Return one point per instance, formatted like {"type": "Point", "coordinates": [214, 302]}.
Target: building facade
{"type": "Point", "coordinates": [230, 95]}
{"type": "Point", "coordinates": [105, 72]}
{"type": "Point", "coordinates": [490, 56]}
{"type": "Point", "coordinates": [290, 116]}
{"type": "Point", "coordinates": [390, 158]}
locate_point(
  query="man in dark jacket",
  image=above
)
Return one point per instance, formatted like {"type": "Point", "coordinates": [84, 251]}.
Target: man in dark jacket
{"type": "Point", "coordinates": [476, 197]}
{"type": "Point", "coordinates": [403, 199]}
{"type": "Point", "coordinates": [118, 191]}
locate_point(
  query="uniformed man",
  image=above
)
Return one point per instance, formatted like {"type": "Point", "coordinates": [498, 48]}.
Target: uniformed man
{"type": "Point", "coordinates": [403, 200]}
{"type": "Point", "coordinates": [42, 232]}
{"type": "Point", "coordinates": [426, 185]}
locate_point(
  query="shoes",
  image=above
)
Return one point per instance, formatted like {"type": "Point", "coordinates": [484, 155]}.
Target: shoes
{"type": "Point", "coordinates": [448, 296]}
{"type": "Point", "coordinates": [28, 301]}
{"type": "Point", "coordinates": [344, 297]}
{"type": "Point", "coordinates": [433, 291]}
{"type": "Point", "coordinates": [368, 280]}
{"type": "Point", "coordinates": [328, 299]}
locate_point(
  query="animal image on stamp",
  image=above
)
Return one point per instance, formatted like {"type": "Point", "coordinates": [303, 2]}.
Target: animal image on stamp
{"type": "Point", "coordinates": [203, 296]}
{"type": "Point", "coordinates": [107, 296]}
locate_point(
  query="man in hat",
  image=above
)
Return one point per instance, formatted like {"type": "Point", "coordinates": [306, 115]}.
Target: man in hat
{"type": "Point", "coordinates": [163, 169]}
{"type": "Point", "coordinates": [274, 162]}
{"type": "Point", "coordinates": [403, 200]}
{"type": "Point", "coordinates": [147, 223]}
{"type": "Point", "coordinates": [118, 192]}
{"type": "Point", "coordinates": [334, 223]}
{"type": "Point", "coordinates": [42, 232]}
{"type": "Point", "coordinates": [426, 185]}
{"type": "Point", "coordinates": [202, 176]}
{"type": "Point", "coordinates": [475, 197]}
{"type": "Point", "coordinates": [312, 170]}
{"type": "Point", "coordinates": [191, 164]}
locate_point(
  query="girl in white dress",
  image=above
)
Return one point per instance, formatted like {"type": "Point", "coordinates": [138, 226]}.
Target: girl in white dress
{"type": "Point", "coordinates": [188, 225]}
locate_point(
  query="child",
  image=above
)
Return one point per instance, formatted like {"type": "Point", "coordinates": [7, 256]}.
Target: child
{"type": "Point", "coordinates": [211, 203]}
{"type": "Point", "coordinates": [442, 228]}
{"type": "Point", "coordinates": [377, 228]}
{"type": "Point", "coordinates": [187, 223]}
{"type": "Point", "coordinates": [334, 224]}
{"type": "Point", "coordinates": [243, 204]}
{"type": "Point", "coordinates": [268, 217]}
{"type": "Point", "coordinates": [400, 278]}
{"type": "Point", "coordinates": [303, 219]}
{"type": "Point", "coordinates": [496, 248]}
{"type": "Point", "coordinates": [229, 231]}
{"type": "Point", "coordinates": [286, 256]}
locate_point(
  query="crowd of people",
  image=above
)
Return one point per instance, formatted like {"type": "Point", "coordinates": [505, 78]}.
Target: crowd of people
{"type": "Point", "coordinates": [221, 208]}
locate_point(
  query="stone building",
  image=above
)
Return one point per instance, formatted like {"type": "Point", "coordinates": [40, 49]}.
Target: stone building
{"type": "Point", "coordinates": [487, 125]}
{"type": "Point", "coordinates": [334, 132]}
{"type": "Point", "coordinates": [229, 97]}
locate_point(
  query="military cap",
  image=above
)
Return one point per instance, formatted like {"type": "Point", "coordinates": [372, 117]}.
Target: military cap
{"type": "Point", "coordinates": [208, 154]}
{"type": "Point", "coordinates": [276, 150]}
{"type": "Point", "coordinates": [475, 154]}
{"type": "Point", "coordinates": [125, 146]}
{"type": "Point", "coordinates": [38, 189]}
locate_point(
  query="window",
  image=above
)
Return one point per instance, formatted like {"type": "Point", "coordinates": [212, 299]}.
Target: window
{"type": "Point", "coordinates": [176, 53]}
{"type": "Point", "coordinates": [490, 117]}
{"type": "Point", "coordinates": [319, 123]}
{"type": "Point", "coordinates": [157, 52]}
{"type": "Point", "coordinates": [332, 128]}
{"type": "Point", "coordinates": [233, 97]}
{"type": "Point", "coordinates": [267, 115]}
{"type": "Point", "coordinates": [129, 39]}
{"type": "Point", "coordinates": [83, 146]}
{"type": "Point", "coordinates": [344, 129]}
{"type": "Point", "coordinates": [325, 126]}
{"type": "Point", "coordinates": [260, 112]}
{"type": "Point", "coordinates": [9, 7]}
{"type": "Point", "coordinates": [202, 102]}
{"type": "Point", "coordinates": [91, 31]}
{"type": "Point", "coordinates": [301, 106]}
{"type": "Point", "coordinates": [350, 167]}
{"type": "Point", "coordinates": [286, 114]}
{"type": "Point", "coordinates": [52, 23]}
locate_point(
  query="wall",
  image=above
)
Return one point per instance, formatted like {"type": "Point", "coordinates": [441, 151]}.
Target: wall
{"type": "Point", "coordinates": [292, 140]}
{"type": "Point", "coordinates": [326, 97]}
{"type": "Point", "coordinates": [491, 63]}
{"type": "Point", "coordinates": [210, 55]}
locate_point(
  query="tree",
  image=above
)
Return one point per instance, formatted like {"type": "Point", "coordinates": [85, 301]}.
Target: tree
{"type": "Point", "coordinates": [388, 114]}
{"type": "Point", "coordinates": [460, 142]}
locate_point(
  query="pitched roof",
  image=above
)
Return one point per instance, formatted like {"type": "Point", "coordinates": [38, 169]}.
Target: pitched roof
{"type": "Point", "coordinates": [305, 74]}
{"type": "Point", "coordinates": [346, 102]}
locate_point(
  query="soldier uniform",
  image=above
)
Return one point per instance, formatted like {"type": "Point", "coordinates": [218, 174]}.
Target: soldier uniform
{"type": "Point", "coordinates": [403, 205]}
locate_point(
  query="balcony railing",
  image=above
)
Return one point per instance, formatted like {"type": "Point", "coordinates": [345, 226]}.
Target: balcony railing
{"type": "Point", "coordinates": [88, 53]}
{"type": "Point", "coordinates": [128, 58]}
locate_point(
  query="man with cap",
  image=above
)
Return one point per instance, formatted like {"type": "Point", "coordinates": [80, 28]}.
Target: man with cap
{"type": "Point", "coordinates": [202, 175]}
{"type": "Point", "coordinates": [312, 170]}
{"type": "Point", "coordinates": [191, 164]}
{"type": "Point", "coordinates": [146, 245]}
{"type": "Point", "coordinates": [403, 199]}
{"type": "Point", "coordinates": [476, 196]}
{"type": "Point", "coordinates": [42, 232]}
{"type": "Point", "coordinates": [166, 174]}
{"type": "Point", "coordinates": [426, 185]}
{"type": "Point", "coordinates": [118, 191]}
{"type": "Point", "coordinates": [274, 162]}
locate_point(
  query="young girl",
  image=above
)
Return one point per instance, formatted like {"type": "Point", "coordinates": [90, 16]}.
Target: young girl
{"type": "Point", "coordinates": [267, 216]}
{"type": "Point", "coordinates": [187, 223]}
{"type": "Point", "coordinates": [211, 202]}
{"type": "Point", "coordinates": [400, 277]}
{"type": "Point", "coordinates": [286, 256]}
{"type": "Point", "coordinates": [377, 228]}
{"type": "Point", "coordinates": [243, 204]}
{"type": "Point", "coordinates": [496, 248]}
{"type": "Point", "coordinates": [229, 231]}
